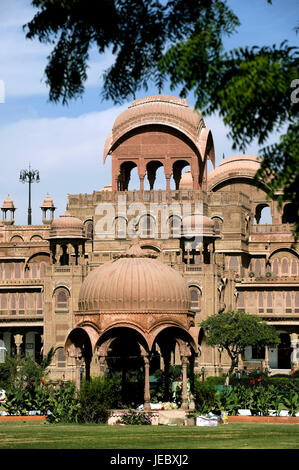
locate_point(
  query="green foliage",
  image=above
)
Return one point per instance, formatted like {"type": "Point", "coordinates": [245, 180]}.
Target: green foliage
{"type": "Point", "coordinates": [96, 397]}
{"type": "Point", "coordinates": [235, 330]}
{"type": "Point", "coordinates": [292, 403]}
{"type": "Point", "coordinates": [183, 44]}
{"type": "Point", "coordinates": [204, 396]}
{"type": "Point", "coordinates": [135, 417]}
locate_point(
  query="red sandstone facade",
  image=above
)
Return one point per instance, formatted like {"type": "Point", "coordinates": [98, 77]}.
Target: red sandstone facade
{"type": "Point", "coordinates": [80, 283]}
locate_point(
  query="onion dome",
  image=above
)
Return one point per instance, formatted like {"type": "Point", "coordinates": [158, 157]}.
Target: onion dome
{"type": "Point", "coordinates": [48, 203]}
{"type": "Point", "coordinates": [198, 225]}
{"type": "Point", "coordinates": [8, 203]}
{"type": "Point", "coordinates": [186, 181]}
{"type": "Point", "coordinates": [240, 166]}
{"type": "Point", "coordinates": [134, 282]}
{"type": "Point", "coordinates": [67, 226]}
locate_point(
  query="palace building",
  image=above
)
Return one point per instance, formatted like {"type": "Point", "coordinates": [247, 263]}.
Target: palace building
{"type": "Point", "coordinates": [131, 273]}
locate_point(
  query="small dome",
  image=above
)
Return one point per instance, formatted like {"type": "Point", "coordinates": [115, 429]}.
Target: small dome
{"type": "Point", "coordinates": [240, 166]}
{"type": "Point", "coordinates": [67, 226]}
{"type": "Point", "coordinates": [186, 181]}
{"type": "Point", "coordinates": [134, 282]}
{"type": "Point", "coordinates": [48, 203]}
{"type": "Point", "coordinates": [197, 225]}
{"type": "Point", "coordinates": [8, 203]}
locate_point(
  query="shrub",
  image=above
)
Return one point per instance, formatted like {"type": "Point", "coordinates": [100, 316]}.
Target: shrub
{"type": "Point", "coordinates": [204, 396]}
{"type": "Point", "coordinates": [96, 397]}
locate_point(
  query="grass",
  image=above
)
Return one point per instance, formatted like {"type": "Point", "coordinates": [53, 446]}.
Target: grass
{"type": "Point", "coordinates": [91, 436]}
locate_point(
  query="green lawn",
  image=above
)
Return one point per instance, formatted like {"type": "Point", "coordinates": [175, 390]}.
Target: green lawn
{"type": "Point", "coordinates": [91, 436]}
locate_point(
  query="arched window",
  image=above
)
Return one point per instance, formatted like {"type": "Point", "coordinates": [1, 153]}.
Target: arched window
{"type": "Point", "coordinates": [241, 302]}
{"type": "Point", "coordinates": [284, 267]}
{"type": "Point", "coordinates": [195, 297]}
{"type": "Point", "coordinates": [275, 266]}
{"type": "Point", "coordinates": [60, 357]}
{"type": "Point", "coordinates": [288, 302]}
{"type": "Point", "coordinates": [147, 226]}
{"type": "Point", "coordinates": [30, 302]}
{"type": "Point", "coordinates": [269, 302]}
{"type": "Point", "coordinates": [17, 271]}
{"type": "Point", "coordinates": [174, 226]}
{"type": "Point", "coordinates": [294, 267]}
{"type": "Point", "coordinates": [34, 270]}
{"type": "Point", "coordinates": [289, 214]}
{"type": "Point", "coordinates": [258, 267]}
{"type": "Point", "coordinates": [13, 304]}
{"type": "Point", "coordinates": [39, 303]}
{"type": "Point", "coordinates": [62, 299]}
{"type": "Point", "coordinates": [4, 301]}
{"type": "Point", "coordinates": [42, 270]}
{"type": "Point", "coordinates": [21, 304]}
{"type": "Point", "coordinates": [120, 227]}
{"type": "Point", "coordinates": [89, 229]}
{"type": "Point", "coordinates": [7, 271]}
{"type": "Point", "coordinates": [261, 302]}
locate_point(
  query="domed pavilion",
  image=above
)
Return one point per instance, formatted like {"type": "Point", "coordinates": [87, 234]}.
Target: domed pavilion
{"type": "Point", "coordinates": [130, 308]}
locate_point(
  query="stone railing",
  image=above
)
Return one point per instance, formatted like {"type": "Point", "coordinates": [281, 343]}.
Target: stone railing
{"type": "Point", "coordinates": [135, 196]}
{"type": "Point", "coordinates": [272, 228]}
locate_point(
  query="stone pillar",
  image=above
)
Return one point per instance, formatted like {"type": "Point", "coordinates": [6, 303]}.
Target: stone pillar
{"type": "Point", "coordinates": [266, 363]}
{"type": "Point", "coordinates": [147, 394]}
{"type": "Point", "coordinates": [76, 354]}
{"type": "Point", "coordinates": [295, 351]}
{"type": "Point", "coordinates": [18, 341]}
{"type": "Point", "coordinates": [184, 390]}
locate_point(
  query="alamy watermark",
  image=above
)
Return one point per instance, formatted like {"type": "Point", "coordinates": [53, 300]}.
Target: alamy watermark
{"type": "Point", "coordinates": [154, 220]}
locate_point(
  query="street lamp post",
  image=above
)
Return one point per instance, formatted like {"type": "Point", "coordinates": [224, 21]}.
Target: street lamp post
{"type": "Point", "coordinates": [29, 176]}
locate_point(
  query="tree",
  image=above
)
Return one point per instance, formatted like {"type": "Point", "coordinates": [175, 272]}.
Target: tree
{"type": "Point", "coordinates": [233, 331]}
{"type": "Point", "coordinates": [181, 42]}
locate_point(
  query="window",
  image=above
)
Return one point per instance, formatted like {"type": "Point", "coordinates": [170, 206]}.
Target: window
{"type": "Point", "coordinates": [261, 302]}
{"type": "Point", "coordinates": [174, 227]}
{"type": "Point", "coordinates": [13, 304]}
{"type": "Point", "coordinates": [269, 302]}
{"type": "Point", "coordinates": [60, 357]}
{"type": "Point", "coordinates": [62, 299]}
{"type": "Point", "coordinates": [234, 263]}
{"type": "Point", "coordinates": [195, 297]}
{"type": "Point", "coordinates": [42, 270]}
{"type": "Point", "coordinates": [147, 226]}
{"type": "Point", "coordinates": [294, 267]}
{"type": "Point", "coordinates": [241, 302]}
{"type": "Point", "coordinates": [120, 227]}
{"type": "Point", "coordinates": [258, 353]}
{"type": "Point", "coordinates": [39, 303]}
{"type": "Point", "coordinates": [21, 304]}
{"type": "Point", "coordinates": [284, 267]}
{"type": "Point", "coordinates": [288, 302]}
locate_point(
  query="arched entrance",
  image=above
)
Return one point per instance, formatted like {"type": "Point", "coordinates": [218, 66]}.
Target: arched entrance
{"type": "Point", "coordinates": [123, 354]}
{"type": "Point", "coordinates": [284, 351]}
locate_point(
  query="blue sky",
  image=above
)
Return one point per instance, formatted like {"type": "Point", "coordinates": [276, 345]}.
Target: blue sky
{"type": "Point", "coordinates": [66, 143]}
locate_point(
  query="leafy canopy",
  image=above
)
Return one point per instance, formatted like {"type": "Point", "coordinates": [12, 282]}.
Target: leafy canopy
{"type": "Point", "coordinates": [233, 331]}
{"type": "Point", "coordinates": [181, 43]}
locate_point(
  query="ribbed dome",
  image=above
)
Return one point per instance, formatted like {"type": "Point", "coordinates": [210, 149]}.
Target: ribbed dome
{"type": "Point", "coordinates": [157, 109]}
{"type": "Point", "coordinates": [198, 225]}
{"type": "Point", "coordinates": [8, 203]}
{"type": "Point", "coordinates": [48, 203]}
{"type": "Point", "coordinates": [67, 226]}
{"type": "Point", "coordinates": [186, 181]}
{"type": "Point", "coordinates": [134, 282]}
{"type": "Point", "coordinates": [234, 167]}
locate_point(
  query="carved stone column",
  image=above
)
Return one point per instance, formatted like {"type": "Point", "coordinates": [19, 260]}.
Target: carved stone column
{"type": "Point", "coordinates": [184, 390]}
{"type": "Point", "coordinates": [295, 351]}
{"type": "Point", "coordinates": [147, 394]}
{"type": "Point", "coordinates": [18, 341]}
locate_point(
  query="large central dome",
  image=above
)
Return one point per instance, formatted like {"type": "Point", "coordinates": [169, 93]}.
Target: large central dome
{"type": "Point", "coordinates": [134, 282]}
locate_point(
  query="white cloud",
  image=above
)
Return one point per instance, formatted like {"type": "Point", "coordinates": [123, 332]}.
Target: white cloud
{"type": "Point", "coordinates": [67, 151]}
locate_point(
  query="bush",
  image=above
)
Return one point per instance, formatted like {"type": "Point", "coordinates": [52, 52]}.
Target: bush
{"type": "Point", "coordinates": [204, 396]}
{"type": "Point", "coordinates": [96, 397]}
